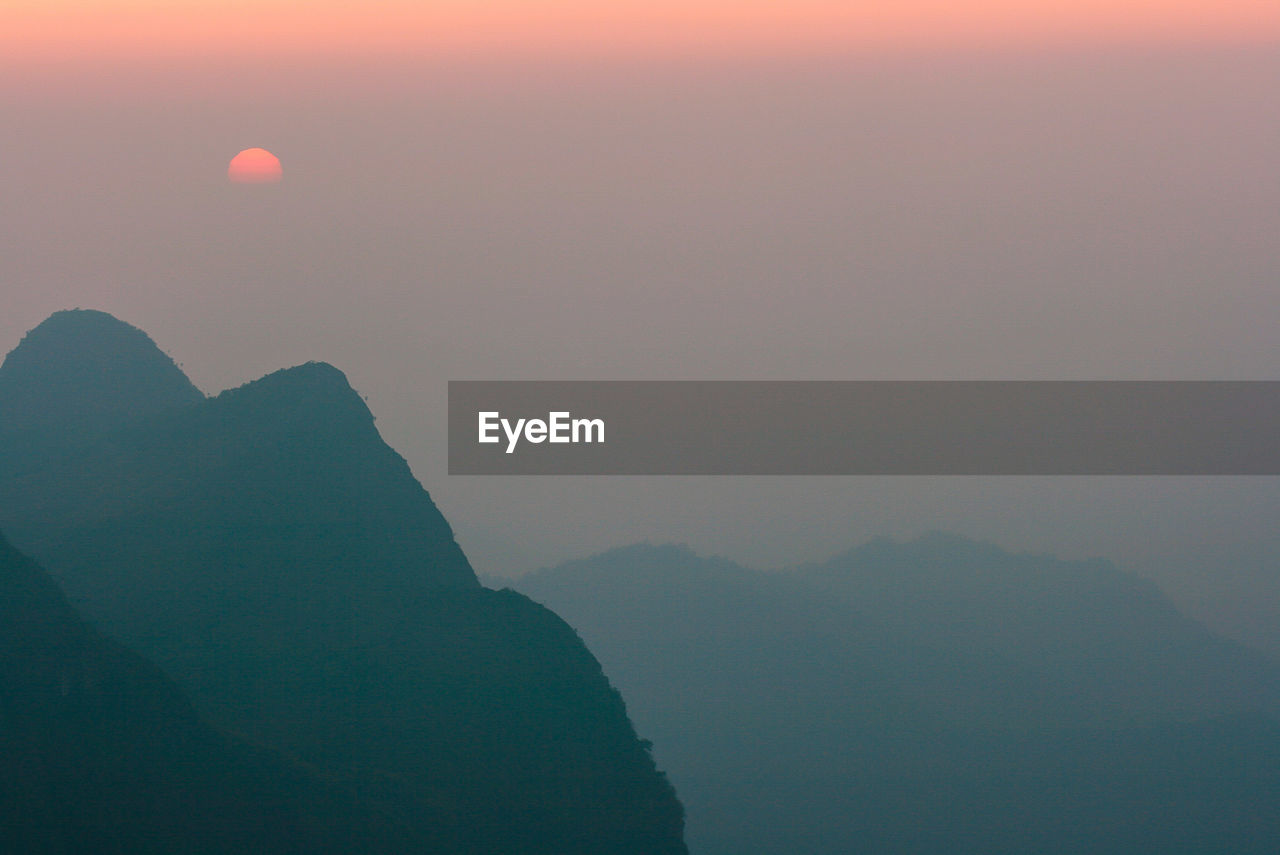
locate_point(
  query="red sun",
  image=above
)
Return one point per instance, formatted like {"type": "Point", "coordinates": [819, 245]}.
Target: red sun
{"type": "Point", "coordinates": [255, 166]}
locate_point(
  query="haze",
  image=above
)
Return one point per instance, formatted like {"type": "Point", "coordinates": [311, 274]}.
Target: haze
{"type": "Point", "coordinates": [1100, 210]}
{"type": "Point", "coordinates": [95, 29]}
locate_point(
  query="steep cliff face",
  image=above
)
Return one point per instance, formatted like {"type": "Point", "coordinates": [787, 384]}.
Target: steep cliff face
{"type": "Point", "coordinates": [281, 485]}
{"type": "Point", "coordinates": [269, 551]}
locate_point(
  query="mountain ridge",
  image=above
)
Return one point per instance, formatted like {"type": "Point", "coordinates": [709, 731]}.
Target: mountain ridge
{"type": "Point", "coordinates": [270, 552]}
{"type": "Point", "coordinates": [936, 695]}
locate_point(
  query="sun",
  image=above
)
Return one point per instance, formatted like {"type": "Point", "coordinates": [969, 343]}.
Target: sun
{"type": "Point", "coordinates": [255, 166]}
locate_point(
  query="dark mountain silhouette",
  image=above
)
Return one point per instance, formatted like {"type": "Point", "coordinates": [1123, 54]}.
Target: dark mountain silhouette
{"type": "Point", "coordinates": [269, 552]}
{"type": "Point", "coordinates": [80, 372]}
{"type": "Point", "coordinates": [940, 695]}
{"type": "Point", "coordinates": [99, 752]}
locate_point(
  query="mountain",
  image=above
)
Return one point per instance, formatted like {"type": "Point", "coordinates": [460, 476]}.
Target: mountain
{"type": "Point", "coordinates": [939, 695]}
{"type": "Point", "coordinates": [101, 753]}
{"type": "Point", "coordinates": [1046, 640]}
{"type": "Point", "coordinates": [275, 557]}
{"type": "Point", "coordinates": [79, 372]}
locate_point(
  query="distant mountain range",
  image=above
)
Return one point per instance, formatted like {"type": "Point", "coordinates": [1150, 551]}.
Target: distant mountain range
{"type": "Point", "coordinates": [270, 553]}
{"type": "Point", "coordinates": [939, 695]}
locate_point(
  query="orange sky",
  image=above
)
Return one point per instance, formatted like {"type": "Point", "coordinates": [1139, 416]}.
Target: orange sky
{"type": "Point", "coordinates": [143, 29]}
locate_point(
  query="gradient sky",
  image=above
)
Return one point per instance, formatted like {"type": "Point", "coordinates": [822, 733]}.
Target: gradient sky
{"type": "Point", "coordinates": [766, 190]}
{"type": "Point", "coordinates": [82, 29]}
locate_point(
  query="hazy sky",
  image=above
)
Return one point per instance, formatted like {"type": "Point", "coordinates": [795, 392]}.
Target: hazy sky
{"type": "Point", "coordinates": [179, 28]}
{"type": "Point", "coordinates": [774, 191]}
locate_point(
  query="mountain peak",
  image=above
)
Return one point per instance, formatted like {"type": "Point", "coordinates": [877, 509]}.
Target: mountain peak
{"type": "Point", "coordinates": [83, 370]}
{"type": "Point", "coordinates": [311, 379]}
{"type": "Point", "coordinates": [313, 399]}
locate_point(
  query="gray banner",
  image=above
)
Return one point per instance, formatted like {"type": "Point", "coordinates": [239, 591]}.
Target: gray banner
{"type": "Point", "coordinates": [864, 428]}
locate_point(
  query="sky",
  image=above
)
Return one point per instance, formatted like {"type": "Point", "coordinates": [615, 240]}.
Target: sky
{"type": "Point", "coordinates": [701, 191]}
{"type": "Point", "coordinates": [87, 29]}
